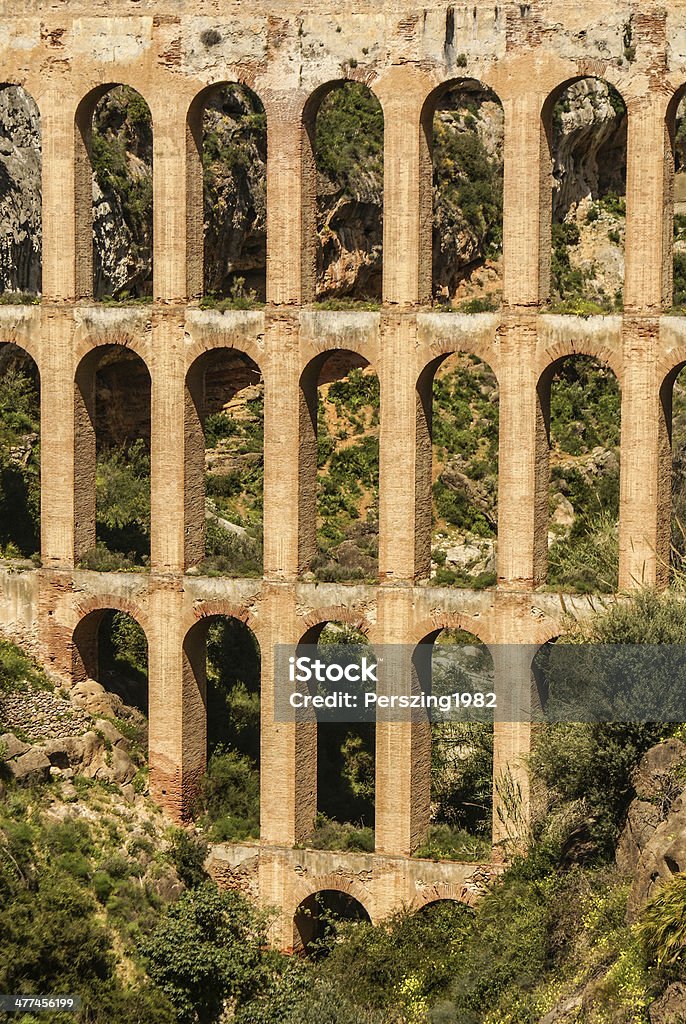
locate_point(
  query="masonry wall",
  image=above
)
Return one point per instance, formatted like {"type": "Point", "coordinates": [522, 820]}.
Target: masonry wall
{"type": "Point", "coordinates": [526, 53]}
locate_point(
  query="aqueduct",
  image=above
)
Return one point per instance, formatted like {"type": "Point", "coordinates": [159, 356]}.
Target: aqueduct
{"type": "Point", "coordinates": [64, 55]}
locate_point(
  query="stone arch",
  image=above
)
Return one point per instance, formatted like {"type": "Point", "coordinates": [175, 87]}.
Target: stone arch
{"type": "Point", "coordinates": [672, 549]}
{"type": "Point", "coordinates": [84, 637]}
{"type": "Point", "coordinates": [604, 354]}
{"type": "Point", "coordinates": [319, 617]}
{"type": "Point", "coordinates": [230, 341]}
{"type": "Point", "coordinates": [23, 336]}
{"type": "Point", "coordinates": [88, 264]}
{"type": "Point", "coordinates": [93, 341]}
{"type": "Point", "coordinates": [428, 629]}
{"type": "Point", "coordinates": [21, 465]}
{"type": "Point", "coordinates": [197, 265]}
{"type": "Point", "coordinates": [332, 880]}
{"type": "Point", "coordinates": [224, 608]}
{"type": "Point", "coordinates": [674, 229]}
{"type": "Point", "coordinates": [440, 892]}
{"type": "Point", "coordinates": [305, 917]}
{"type": "Point", "coordinates": [444, 347]}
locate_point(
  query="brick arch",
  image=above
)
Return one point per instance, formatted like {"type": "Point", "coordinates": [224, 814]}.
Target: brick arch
{"type": "Point", "coordinates": [670, 365]}
{"type": "Point", "coordinates": [438, 621]}
{"type": "Point", "coordinates": [246, 76]}
{"type": "Point", "coordinates": [312, 350]}
{"type": "Point", "coordinates": [441, 350]}
{"type": "Point", "coordinates": [336, 882]}
{"type": "Point", "coordinates": [597, 68]}
{"type": "Point", "coordinates": [223, 608]}
{"type": "Point", "coordinates": [84, 648]}
{"type": "Point", "coordinates": [439, 892]}
{"type": "Point", "coordinates": [229, 341]}
{"type": "Point", "coordinates": [124, 339]}
{"type": "Point", "coordinates": [442, 85]}
{"type": "Point", "coordinates": [25, 343]}
{"type": "Point", "coordinates": [337, 613]}
{"type": "Point", "coordinates": [358, 75]}
{"type": "Point", "coordinates": [111, 603]}
{"type": "Point", "coordinates": [604, 354]}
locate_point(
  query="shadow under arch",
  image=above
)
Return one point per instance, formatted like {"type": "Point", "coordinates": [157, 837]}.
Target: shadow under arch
{"type": "Point", "coordinates": [455, 746]}
{"type": "Point", "coordinates": [315, 919]}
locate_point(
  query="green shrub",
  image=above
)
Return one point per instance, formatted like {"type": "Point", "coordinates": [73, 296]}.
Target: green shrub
{"type": "Point", "coordinates": [229, 799]}
{"type": "Point", "coordinates": [188, 854]}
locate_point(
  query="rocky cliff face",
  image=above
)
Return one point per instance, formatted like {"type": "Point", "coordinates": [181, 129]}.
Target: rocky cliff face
{"type": "Point", "coordinates": [589, 145]}
{"type": "Point", "coordinates": [20, 169]}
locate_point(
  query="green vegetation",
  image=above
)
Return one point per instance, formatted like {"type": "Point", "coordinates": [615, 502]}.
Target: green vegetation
{"type": "Point", "coordinates": [19, 456]}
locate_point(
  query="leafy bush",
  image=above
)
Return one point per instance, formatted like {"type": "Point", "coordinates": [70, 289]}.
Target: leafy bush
{"type": "Point", "coordinates": [188, 854]}
{"type": "Point", "coordinates": [229, 799]}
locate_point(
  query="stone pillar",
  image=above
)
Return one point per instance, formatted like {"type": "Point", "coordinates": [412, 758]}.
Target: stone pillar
{"type": "Point", "coordinates": [523, 460]}
{"type": "Point", "coordinates": [648, 273]}
{"type": "Point", "coordinates": [167, 464]}
{"type": "Point", "coordinates": [176, 703]}
{"type": "Point", "coordinates": [291, 200]}
{"type": "Point", "coordinates": [527, 203]}
{"type": "Point", "coordinates": [288, 750]}
{"type": "Point", "coordinates": [403, 749]}
{"type": "Point", "coordinates": [290, 453]}
{"type": "Point", "coordinates": [645, 467]}
{"type": "Point", "coordinates": [405, 455]}
{"type": "Point", "coordinates": [63, 199]}
{"type": "Point", "coordinates": [177, 202]}
{"type": "Point", "coordinates": [512, 732]}
{"type": "Point", "coordinates": [67, 499]}
{"type": "Point", "coordinates": [408, 189]}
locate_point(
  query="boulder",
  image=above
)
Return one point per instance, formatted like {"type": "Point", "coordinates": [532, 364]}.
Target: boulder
{"type": "Point", "coordinates": [111, 733]}
{"type": "Point", "coordinates": [30, 767]}
{"type": "Point", "coordinates": [654, 776]}
{"type": "Point", "coordinates": [663, 856]}
{"type": "Point", "coordinates": [11, 746]}
{"type": "Point", "coordinates": [123, 768]}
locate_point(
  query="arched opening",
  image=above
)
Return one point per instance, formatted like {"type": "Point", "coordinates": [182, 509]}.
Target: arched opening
{"type": "Point", "coordinates": [345, 779]}
{"type": "Point", "coordinates": [458, 461]}
{"type": "Point", "coordinates": [345, 125]}
{"type": "Point", "coordinates": [464, 124]}
{"type": "Point", "coordinates": [111, 648]}
{"type": "Point", "coordinates": [585, 122]}
{"type": "Point", "coordinates": [114, 194]}
{"type": "Point", "coordinates": [446, 662]}
{"type": "Point", "coordinates": [316, 919]}
{"type": "Point", "coordinates": [223, 655]}
{"type": "Point", "coordinates": [673, 401]}
{"type": "Point", "coordinates": [228, 136]}
{"type": "Point", "coordinates": [112, 437]}
{"type": "Point", "coordinates": [580, 401]}
{"type": "Point", "coordinates": [225, 440]}
{"type": "Point", "coordinates": [19, 454]}
{"type": "Point", "coordinates": [676, 129]}
{"type": "Point", "coordinates": [20, 198]}
{"type": "Point", "coordinates": [339, 469]}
